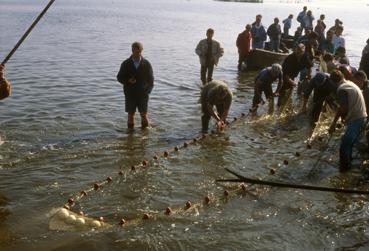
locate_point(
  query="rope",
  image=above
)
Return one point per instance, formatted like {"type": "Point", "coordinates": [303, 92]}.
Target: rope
{"type": "Point", "coordinates": [27, 32]}
{"type": "Point", "coordinates": [289, 185]}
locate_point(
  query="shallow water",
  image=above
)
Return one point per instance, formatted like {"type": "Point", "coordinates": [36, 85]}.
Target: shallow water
{"type": "Point", "coordinates": [64, 128]}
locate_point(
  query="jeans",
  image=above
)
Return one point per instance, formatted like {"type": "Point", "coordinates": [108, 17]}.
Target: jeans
{"type": "Point", "coordinates": [353, 130]}
{"type": "Point", "coordinates": [275, 44]}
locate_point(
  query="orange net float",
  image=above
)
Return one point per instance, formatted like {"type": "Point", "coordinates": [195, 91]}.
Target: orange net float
{"type": "Point", "coordinates": [188, 205]}
{"type": "Point", "coordinates": [144, 163]}
{"type": "Point", "coordinates": [168, 211]}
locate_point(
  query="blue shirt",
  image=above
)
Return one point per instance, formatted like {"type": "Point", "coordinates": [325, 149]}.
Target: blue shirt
{"type": "Point", "coordinates": [265, 77]}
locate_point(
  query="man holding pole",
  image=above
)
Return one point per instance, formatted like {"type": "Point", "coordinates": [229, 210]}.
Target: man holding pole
{"type": "Point", "coordinates": [4, 84]}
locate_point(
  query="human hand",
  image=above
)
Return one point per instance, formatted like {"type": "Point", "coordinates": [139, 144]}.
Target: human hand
{"type": "Point", "coordinates": [132, 81]}
{"type": "Point", "coordinates": [220, 125]}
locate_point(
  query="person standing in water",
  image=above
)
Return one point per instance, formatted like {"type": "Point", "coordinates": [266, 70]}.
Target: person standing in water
{"type": "Point", "coordinates": [136, 76]}
{"type": "Point", "coordinates": [209, 52]}
{"type": "Point", "coordinates": [353, 112]}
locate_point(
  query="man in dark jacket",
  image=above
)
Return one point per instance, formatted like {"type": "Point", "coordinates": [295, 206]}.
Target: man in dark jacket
{"type": "Point", "coordinates": [137, 77]}
{"type": "Point", "coordinates": [291, 67]}
{"type": "Point", "coordinates": [274, 32]}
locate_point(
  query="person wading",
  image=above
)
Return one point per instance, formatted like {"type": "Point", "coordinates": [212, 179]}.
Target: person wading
{"type": "Point", "coordinates": [353, 112]}
{"type": "Point", "coordinates": [263, 83]}
{"type": "Point", "coordinates": [137, 77]}
{"type": "Point", "coordinates": [291, 67]}
{"type": "Point", "coordinates": [209, 52]}
{"type": "Point", "coordinates": [215, 93]}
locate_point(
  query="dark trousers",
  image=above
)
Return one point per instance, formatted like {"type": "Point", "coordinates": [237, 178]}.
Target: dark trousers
{"type": "Point", "coordinates": [207, 68]}
{"type": "Point", "coordinates": [242, 58]}
{"type": "Point", "coordinates": [258, 91]}
{"type": "Point", "coordinates": [205, 119]}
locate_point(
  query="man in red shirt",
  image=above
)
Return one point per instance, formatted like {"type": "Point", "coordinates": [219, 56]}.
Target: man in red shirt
{"type": "Point", "coordinates": [243, 44]}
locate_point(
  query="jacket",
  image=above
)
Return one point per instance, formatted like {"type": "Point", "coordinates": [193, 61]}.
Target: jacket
{"type": "Point", "coordinates": [143, 74]}
{"type": "Point", "coordinates": [244, 42]}
{"type": "Point", "coordinates": [202, 48]}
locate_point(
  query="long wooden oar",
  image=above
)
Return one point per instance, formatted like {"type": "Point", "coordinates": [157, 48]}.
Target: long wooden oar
{"type": "Point", "coordinates": [27, 32]}
{"type": "Point", "coordinates": [288, 185]}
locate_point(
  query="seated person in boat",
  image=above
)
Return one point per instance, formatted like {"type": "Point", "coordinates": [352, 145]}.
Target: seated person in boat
{"type": "Point", "coordinates": [4, 84]}
{"type": "Point", "coordinates": [215, 93]}
{"type": "Point", "coordinates": [292, 65]}
{"type": "Point", "coordinates": [263, 83]}
{"type": "Point", "coordinates": [325, 88]}
{"type": "Point", "coordinates": [353, 112]}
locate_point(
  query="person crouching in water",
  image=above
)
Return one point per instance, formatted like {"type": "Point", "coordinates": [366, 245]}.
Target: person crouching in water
{"type": "Point", "coordinates": [215, 93]}
{"type": "Point", "coordinates": [263, 83]}
{"type": "Point", "coordinates": [324, 86]}
{"type": "Point", "coordinates": [353, 112]}
{"type": "Point", "coordinates": [4, 84]}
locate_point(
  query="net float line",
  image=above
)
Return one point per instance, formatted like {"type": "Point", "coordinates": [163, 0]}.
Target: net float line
{"type": "Point", "coordinates": [187, 207]}
{"type": "Point", "coordinates": [65, 219]}
{"type": "Point", "coordinates": [145, 163]}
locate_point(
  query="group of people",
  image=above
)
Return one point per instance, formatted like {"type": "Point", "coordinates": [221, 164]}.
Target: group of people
{"type": "Point", "coordinates": [337, 84]}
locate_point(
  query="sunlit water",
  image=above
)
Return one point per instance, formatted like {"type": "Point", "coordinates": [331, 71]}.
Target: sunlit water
{"type": "Point", "coordinates": [64, 128]}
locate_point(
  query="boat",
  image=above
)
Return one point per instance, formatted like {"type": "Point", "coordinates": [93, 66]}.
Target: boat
{"type": "Point", "coordinates": [259, 58]}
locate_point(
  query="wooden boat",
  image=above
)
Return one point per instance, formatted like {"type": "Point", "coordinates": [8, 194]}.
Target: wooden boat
{"type": "Point", "coordinates": [259, 58]}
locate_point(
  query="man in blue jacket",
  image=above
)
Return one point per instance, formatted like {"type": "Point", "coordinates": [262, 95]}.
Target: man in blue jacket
{"type": "Point", "coordinates": [137, 77]}
{"type": "Point", "coordinates": [258, 33]}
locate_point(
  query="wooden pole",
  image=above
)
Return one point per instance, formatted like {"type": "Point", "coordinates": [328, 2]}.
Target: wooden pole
{"type": "Point", "coordinates": [27, 32]}
{"type": "Point", "coordinates": [288, 185]}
